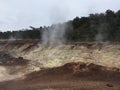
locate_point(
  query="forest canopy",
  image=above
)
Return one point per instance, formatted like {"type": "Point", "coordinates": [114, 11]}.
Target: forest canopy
{"type": "Point", "coordinates": [95, 27]}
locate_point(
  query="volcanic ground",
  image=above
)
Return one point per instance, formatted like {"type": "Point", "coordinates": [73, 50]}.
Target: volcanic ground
{"type": "Point", "coordinates": [30, 65]}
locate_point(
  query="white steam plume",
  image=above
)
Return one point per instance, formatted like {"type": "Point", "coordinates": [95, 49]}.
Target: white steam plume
{"type": "Point", "coordinates": [54, 34]}
{"type": "Point", "coordinates": [11, 38]}
{"type": "Point", "coordinates": [102, 33]}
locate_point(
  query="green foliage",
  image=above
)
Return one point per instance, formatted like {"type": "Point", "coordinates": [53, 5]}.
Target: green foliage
{"type": "Point", "coordinates": [107, 25]}
{"type": "Point", "coordinates": [103, 27]}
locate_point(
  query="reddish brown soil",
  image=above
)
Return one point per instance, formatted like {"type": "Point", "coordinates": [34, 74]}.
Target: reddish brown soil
{"type": "Point", "coordinates": [71, 76]}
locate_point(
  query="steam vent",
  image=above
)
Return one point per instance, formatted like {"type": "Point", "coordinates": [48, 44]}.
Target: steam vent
{"type": "Point", "coordinates": [29, 64]}
{"type": "Point", "coordinates": [59, 44]}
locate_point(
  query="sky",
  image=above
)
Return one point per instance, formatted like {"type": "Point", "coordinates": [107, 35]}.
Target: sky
{"type": "Point", "coordinates": [20, 14]}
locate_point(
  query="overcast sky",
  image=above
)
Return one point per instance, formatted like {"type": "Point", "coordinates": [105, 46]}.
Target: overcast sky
{"type": "Point", "coordinates": [18, 14]}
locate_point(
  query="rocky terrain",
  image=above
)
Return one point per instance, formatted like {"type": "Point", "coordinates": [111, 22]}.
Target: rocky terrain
{"type": "Point", "coordinates": [71, 76]}
{"type": "Point", "coordinates": [30, 65]}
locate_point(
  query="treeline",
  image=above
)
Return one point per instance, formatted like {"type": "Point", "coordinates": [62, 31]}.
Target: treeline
{"type": "Point", "coordinates": [22, 34]}
{"type": "Point", "coordinates": [95, 27]}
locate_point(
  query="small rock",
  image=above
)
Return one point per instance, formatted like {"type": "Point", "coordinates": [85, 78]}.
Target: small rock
{"type": "Point", "coordinates": [109, 85]}
{"type": "Point", "coordinates": [20, 58]}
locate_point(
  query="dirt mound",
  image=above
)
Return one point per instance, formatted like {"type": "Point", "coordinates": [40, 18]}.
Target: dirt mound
{"type": "Point", "coordinates": [73, 69]}
{"type": "Point", "coordinates": [71, 76]}
{"type": "Point", "coordinates": [80, 67]}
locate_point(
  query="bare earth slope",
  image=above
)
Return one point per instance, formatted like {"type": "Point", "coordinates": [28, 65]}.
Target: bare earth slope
{"type": "Point", "coordinates": [71, 76]}
{"type": "Point", "coordinates": [30, 65]}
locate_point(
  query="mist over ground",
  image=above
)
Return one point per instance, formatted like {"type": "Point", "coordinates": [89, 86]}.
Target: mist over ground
{"type": "Point", "coordinates": [60, 45]}
{"type": "Point", "coordinates": [100, 27]}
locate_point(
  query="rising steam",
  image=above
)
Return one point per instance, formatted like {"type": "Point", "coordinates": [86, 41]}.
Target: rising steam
{"type": "Point", "coordinates": [54, 34]}
{"type": "Point", "coordinates": [101, 33]}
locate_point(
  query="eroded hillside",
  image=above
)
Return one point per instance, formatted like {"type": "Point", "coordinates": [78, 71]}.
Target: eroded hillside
{"type": "Point", "coordinates": [75, 63]}
{"type": "Point", "coordinates": [106, 54]}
